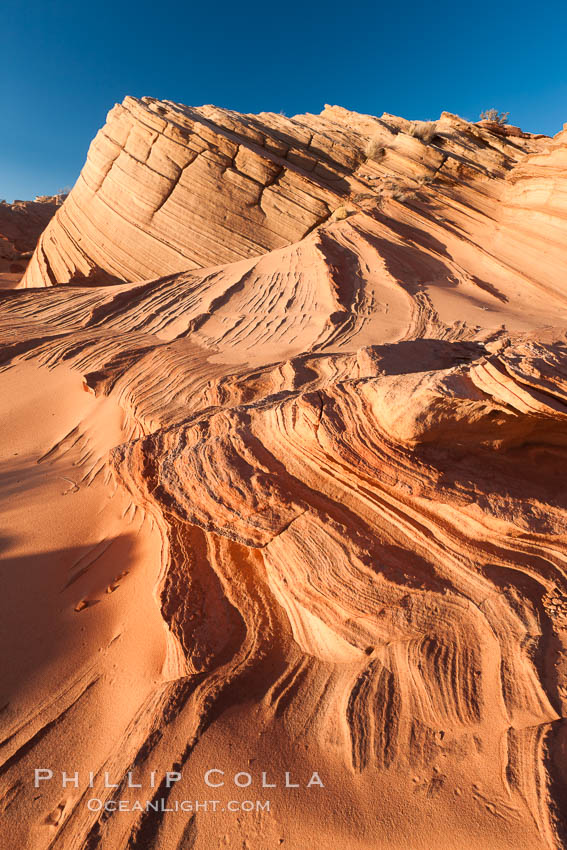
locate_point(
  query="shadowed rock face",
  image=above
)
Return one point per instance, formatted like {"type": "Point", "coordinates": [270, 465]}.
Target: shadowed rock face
{"type": "Point", "coordinates": [286, 487]}
{"type": "Point", "coordinates": [21, 224]}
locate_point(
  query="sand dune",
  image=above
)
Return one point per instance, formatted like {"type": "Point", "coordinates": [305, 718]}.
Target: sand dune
{"type": "Point", "coordinates": [283, 489]}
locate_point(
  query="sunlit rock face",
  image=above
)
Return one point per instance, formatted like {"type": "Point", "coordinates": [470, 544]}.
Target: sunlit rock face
{"type": "Point", "coordinates": [167, 188]}
{"type": "Point", "coordinates": [284, 481]}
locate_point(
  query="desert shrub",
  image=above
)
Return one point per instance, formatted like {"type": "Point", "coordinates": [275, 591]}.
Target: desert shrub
{"type": "Point", "coordinates": [494, 116]}
{"type": "Point", "coordinates": [374, 150]}
{"type": "Point", "coordinates": [340, 213]}
{"type": "Point", "coordinates": [401, 195]}
{"type": "Point", "coordinates": [424, 130]}
{"type": "Point", "coordinates": [363, 196]}
{"type": "Point", "coordinates": [397, 190]}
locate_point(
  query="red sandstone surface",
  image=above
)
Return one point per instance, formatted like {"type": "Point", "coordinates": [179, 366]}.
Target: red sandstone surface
{"type": "Point", "coordinates": [21, 225]}
{"type": "Point", "coordinates": [283, 488]}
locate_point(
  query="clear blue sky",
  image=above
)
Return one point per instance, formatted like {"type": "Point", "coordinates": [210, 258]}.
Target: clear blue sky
{"type": "Point", "coordinates": [64, 63]}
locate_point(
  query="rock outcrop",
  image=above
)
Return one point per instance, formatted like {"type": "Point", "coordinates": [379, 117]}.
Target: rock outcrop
{"type": "Point", "coordinates": [292, 496]}
{"type": "Point", "coordinates": [21, 224]}
{"type": "Point", "coordinates": [167, 188]}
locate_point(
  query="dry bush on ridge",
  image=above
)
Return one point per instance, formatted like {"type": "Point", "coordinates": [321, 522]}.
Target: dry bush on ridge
{"type": "Point", "coordinates": [424, 130]}
{"type": "Point", "coordinates": [374, 150]}
{"type": "Point", "coordinates": [494, 116]}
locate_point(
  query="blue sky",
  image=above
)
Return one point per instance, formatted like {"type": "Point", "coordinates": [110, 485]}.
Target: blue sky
{"type": "Point", "coordinates": [64, 64]}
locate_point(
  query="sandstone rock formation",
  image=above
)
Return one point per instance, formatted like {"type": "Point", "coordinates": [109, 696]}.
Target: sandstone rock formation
{"type": "Point", "coordinates": [21, 224]}
{"type": "Point", "coordinates": [284, 475]}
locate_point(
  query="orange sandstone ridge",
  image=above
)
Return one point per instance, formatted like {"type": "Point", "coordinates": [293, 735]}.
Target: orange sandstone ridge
{"type": "Point", "coordinates": [283, 490]}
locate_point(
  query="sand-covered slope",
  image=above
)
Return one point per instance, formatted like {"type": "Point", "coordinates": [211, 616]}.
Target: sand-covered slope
{"type": "Point", "coordinates": [283, 488]}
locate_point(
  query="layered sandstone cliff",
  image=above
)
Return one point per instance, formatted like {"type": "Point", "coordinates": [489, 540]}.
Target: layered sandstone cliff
{"type": "Point", "coordinates": [167, 188]}
{"type": "Point", "coordinates": [284, 470]}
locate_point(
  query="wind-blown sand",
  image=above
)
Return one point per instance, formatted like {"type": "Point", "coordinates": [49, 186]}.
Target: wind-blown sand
{"type": "Point", "coordinates": [283, 489]}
